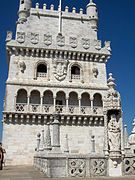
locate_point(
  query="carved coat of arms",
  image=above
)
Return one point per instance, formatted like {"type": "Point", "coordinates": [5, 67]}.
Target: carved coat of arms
{"type": "Point", "coordinates": [47, 39]}
{"type": "Point", "coordinates": [85, 43]}
{"type": "Point", "coordinates": [60, 69]}
{"type": "Point", "coordinates": [34, 38]}
{"type": "Point", "coordinates": [73, 42]}
{"type": "Point", "coordinates": [97, 44]}
{"type": "Point", "coordinates": [60, 40]}
{"type": "Point", "coordinates": [20, 37]}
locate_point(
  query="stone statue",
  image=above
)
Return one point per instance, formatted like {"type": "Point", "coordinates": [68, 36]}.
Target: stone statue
{"type": "Point", "coordinates": [114, 134]}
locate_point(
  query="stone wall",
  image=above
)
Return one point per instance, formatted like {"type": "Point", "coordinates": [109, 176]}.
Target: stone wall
{"type": "Point", "coordinates": [20, 142]}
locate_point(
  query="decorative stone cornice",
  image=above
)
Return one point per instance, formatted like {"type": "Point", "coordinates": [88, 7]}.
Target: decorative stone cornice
{"type": "Point", "coordinates": [31, 118]}
{"type": "Point", "coordinates": [53, 53]}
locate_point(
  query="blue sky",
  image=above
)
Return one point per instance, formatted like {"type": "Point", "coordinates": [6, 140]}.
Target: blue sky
{"type": "Point", "coordinates": [116, 23]}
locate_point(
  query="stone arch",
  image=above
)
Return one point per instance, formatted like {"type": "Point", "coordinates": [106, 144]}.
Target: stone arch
{"type": "Point", "coordinates": [79, 76]}
{"type": "Point", "coordinates": [21, 96]}
{"type": "Point", "coordinates": [46, 70]}
{"type": "Point", "coordinates": [35, 97]}
{"type": "Point", "coordinates": [73, 99]}
{"type": "Point", "coordinates": [85, 99]}
{"type": "Point", "coordinates": [60, 98]}
{"type": "Point", "coordinates": [97, 100]}
{"type": "Point", "coordinates": [48, 97]}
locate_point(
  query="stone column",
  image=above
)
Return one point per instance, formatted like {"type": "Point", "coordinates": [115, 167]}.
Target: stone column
{"type": "Point", "coordinates": [42, 141]}
{"type": "Point", "coordinates": [15, 97]}
{"type": "Point", "coordinates": [38, 141]}
{"type": "Point", "coordinates": [48, 146]}
{"type": "Point", "coordinates": [122, 137]}
{"type": "Point", "coordinates": [91, 100]}
{"type": "Point", "coordinates": [56, 134]}
{"type": "Point", "coordinates": [28, 103]}
{"type": "Point", "coordinates": [93, 144]}
{"type": "Point", "coordinates": [79, 99]}
{"type": "Point", "coordinates": [106, 134]}
{"type": "Point", "coordinates": [41, 104]}
{"type": "Point", "coordinates": [67, 104]}
{"type": "Point", "coordinates": [66, 144]}
{"type": "Point", "coordinates": [54, 102]}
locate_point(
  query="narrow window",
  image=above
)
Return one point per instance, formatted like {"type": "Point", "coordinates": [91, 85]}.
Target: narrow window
{"type": "Point", "coordinates": [41, 70]}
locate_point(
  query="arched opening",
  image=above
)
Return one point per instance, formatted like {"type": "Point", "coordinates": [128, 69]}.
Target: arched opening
{"type": "Point", "coordinates": [97, 104]}
{"type": "Point", "coordinates": [98, 100]}
{"type": "Point", "coordinates": [48, 97]}
{"type": "Point", "coordinates": [85, 103]}
{"type": "Point", "coordinates": [35, 101]}
{"type": "Point", "coordinates": [21, 96]}
{"type": "Point", "coordinates": [75, 72]}
{"type": "Point", "coordinates": [21, 100]}
{"type": "Point", "coordinates": [48, 102]}
{"type": "Point", "coordinates": [60, 102]}
{"type": "Point", "coordinates": [41, 70]}
{"type": "Point", "coordinates": [73, 103]}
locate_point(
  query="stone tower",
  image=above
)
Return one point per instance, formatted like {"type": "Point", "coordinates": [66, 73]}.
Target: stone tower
{"type": "Point", "coordinates": [57, 85]}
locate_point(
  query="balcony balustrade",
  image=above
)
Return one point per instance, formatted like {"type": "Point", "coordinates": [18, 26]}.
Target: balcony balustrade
{"type": "Point", "coordinates": [40, 74]}
{"type": "Point", "coordinates": [74, 76]}
{"type": "Point", "coordinates": [61, 109]}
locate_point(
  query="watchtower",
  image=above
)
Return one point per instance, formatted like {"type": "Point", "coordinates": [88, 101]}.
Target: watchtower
{"type": "Point", "coordinates": [58, 101]}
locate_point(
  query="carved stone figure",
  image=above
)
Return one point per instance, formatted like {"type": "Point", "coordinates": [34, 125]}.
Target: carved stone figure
{"type": "Point", "coordinates": [73, 42]}
{"type": "Point", "coordinates": [47, 39]}
{"type": "Point", "coordinates": [60, 40]}
{"type": "Point", "coordinates": [60, 69]}
{"type": "Point", "coordinates": [114, 134]}
{"type": "Point", "coordinates": [85, 43]}
{"type": "Point", "coordinates": [20, 37]}
{"type": "Point", "coordinates": [34, 38]}
{"type": "Point", "coordinates": [95, 72]}
{"type": "Point", "coordinates": [22, 66]}
{"type": "Point", "coordinates": [77, 167]}
{"type": "Point", "coordinates": [9, 36]}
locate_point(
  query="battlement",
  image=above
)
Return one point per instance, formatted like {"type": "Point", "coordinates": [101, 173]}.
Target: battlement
{"type": "Point", "coordinates": [66, 13]}
{"type": "Point", "coordinates": [52, 8]}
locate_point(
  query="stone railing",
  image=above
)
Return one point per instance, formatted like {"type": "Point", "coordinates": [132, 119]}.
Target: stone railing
{"type": "Point", "coordinates": [21, 107]}
{"type": "Point", "coordinates": [61, 109]}
{"type": "Point", "coordinates": [40, 74]}
{"type": "Point", "coordinates": [75, 76]}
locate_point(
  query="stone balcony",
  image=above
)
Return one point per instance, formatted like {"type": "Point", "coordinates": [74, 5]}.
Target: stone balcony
{"type": "Point", "coordinates": [61, 109]}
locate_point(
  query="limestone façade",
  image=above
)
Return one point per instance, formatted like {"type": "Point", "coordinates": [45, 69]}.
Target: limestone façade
{"type": "Point", "coordinates": [59, 109]}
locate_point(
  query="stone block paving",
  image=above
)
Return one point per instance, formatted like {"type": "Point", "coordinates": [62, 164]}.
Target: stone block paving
{"type": "Point", "coordinates": [29, 173]}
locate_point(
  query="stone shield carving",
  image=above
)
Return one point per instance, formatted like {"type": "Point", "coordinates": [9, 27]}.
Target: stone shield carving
{"type": "Point", "coordinates": [60, 69]}
{"type": "Point", "coordinates": [85, 43]}
{"type": "Point", "coordinates": [47, 39]}
{"type": "Point", "coordinates": [60, 40]}
{"type": "Point", "coordinates": [77, 167]}
{"type": "Point", "coordinates": [97, 44]}
{"type": "Point", "coordinates": [34, 38]}
{"type": "Point", "coordinates": [20, 37]}
{"type": "Point", "coordinates": [73, 42]}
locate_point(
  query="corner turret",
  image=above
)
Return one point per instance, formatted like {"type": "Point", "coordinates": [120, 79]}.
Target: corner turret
{"type": "Point", "coordinates": [24, 10]}
{"type": "Point", "coordinates": [92, 12]}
